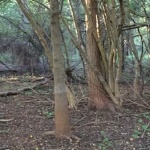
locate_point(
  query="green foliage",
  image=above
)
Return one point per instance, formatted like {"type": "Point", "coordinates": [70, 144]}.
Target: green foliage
{"type": "Point", "coordinates": [136, 134]}
{"type": "Point", "coordinates": [135, 5]}
{"type": "Point", "coordinates": [9, 19]}
{"type": "Point", "coordinates": [28, 93]}
{"type": "Point", "coordinates": [143, 125]}
{"type": "Point", "coordinates": [36, 148]}
{"type": "Point", "coordinates": [105, 144]}
{"type": "Point", "coordinates": [139, 6]}
{"type": "Point", "coordinates": [5, 57]}
{"type": "Point", "coordinates": [48, 114]}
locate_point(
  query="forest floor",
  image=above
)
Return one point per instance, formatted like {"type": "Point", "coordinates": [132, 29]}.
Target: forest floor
{"type": "Point", "coordinates": [26, 116]}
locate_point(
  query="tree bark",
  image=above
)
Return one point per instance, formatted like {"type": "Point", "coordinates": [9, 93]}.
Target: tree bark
{"type": "Point", "coordinates": [137, 81]}
{"type": "Point", "coordinates": [61, 104]}
{"type": "Point", "coordinates": [138, 67]}
{"type": "Point", "coordinates": [38, 30]}
{"type": "Point", "coordinates": [97, 94]}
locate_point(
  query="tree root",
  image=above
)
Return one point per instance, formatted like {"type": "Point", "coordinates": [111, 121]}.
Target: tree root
{"type": "Point", "coordinates": [48, 133]}
{"type": "Point", "coordinates": [70, 138]}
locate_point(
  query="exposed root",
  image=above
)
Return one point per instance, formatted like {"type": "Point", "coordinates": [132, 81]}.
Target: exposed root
{"type": "Point", "coordinates": [76, 138]}
{"type": "Point", "coordinates": [48, 133]}
{"type": "Point", "coordinates": [70, 138]}
{"type": "Point", "coordinates": [106, 106]}
{"type": "Point", "coordinates": [114, 108]}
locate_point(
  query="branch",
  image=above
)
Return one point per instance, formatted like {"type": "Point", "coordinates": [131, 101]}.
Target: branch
{"type": "Point", "coordinates": [9, 93]}
{"type": "Point", "coordinates": [134, 26]}
{"type": "Point", "coordinates": [38, 30]}
{"type": "Point", "coordinates": [5, 120]}
{"type": "Point", "coordinates": [122, 15]}
{"type": "Point", "coordinates": [5, 65]}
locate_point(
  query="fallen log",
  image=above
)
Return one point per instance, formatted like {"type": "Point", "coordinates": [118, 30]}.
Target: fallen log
{"type": "Point", "coordinates": [10, 93]}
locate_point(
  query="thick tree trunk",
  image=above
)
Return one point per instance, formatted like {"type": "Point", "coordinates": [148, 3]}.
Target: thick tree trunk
{"type": "Point", "coordinates": [97, 94]}
{"type": "Point", "coordinates": [61, 104]}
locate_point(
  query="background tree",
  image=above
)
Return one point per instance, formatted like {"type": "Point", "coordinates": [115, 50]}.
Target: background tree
{"type": "Point", "coordinates": [137, 41]}
{"type": "Point", "coordinates": [104, 52]}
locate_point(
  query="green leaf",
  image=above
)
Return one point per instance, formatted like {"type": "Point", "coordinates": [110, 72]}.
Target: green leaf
{"type": "Point", "coordinates": [144, 127]}
{"type": "Point", "coordinates": [148, 129]}
{"type": "Point", "coordinates": [109, 144]}
{"type": "Point", "coordinates": [104, 148]}
{"type": "Point", "coordinates": [50, 114]}
{"type": "Point", "coordinates": [102, 133]}
{"type": "Point", "coordinates": [135, 136]}
{"type": "Point", "coordinates": [140, 121]}
{"type": "Point", "coordinates": [147, 117]}
{"type": "Point", "coordinates": [105, 140]}
{"type": "Point", "coordinates": [36, 148]}
{"type": "Point", "coordinates": [137, 132]}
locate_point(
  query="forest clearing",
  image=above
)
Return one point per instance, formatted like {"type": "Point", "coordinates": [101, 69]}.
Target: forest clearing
{"type": "Point", "coordinates": [74, 75]}
{"type": "Point", "coordinates": [31, 113]}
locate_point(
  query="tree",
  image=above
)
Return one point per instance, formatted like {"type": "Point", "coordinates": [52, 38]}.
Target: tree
{"type": "Point", "coordinates": [103, 75]}
{"type": "Point", "coordinates": [98, 97]}
{"type": "Point", "coordinates": [38, 30]}
{"type": "Point", "coordinates": [138, 50]}
{"type": "Point", "coordinates": [105, 25]}
{"type": "Point", "coordinates": [61, 104]}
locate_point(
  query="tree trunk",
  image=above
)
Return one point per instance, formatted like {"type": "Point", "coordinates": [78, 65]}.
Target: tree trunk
{"type": "Point", "coordinates": [138, 67]}
{"type": "Point", "coordinates": [61, 104]}
{"type": "Point", "coordinates": [137, 80]}
{"type": "Point", "coordinates": [97, 94]}
{"type": "Point", "coordinates": [38, 30]}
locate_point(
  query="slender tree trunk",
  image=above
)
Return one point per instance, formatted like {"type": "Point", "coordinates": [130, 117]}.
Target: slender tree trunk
{"type": "Point", "coordinates": [38, 30]}
{"type": "Point", "coordinates": [98, 97]}
{"type": "Point", "coordinates": [61, 104]}
{"type": "Point", "coordinates": [75, 11]}
{"type": "Point", "coordinates": [137, 80]}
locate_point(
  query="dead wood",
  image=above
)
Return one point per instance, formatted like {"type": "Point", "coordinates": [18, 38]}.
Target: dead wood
{"type": "Point", "coordinates": [5, 120]}
{"type": "Point", "coordinates": [9, 93]}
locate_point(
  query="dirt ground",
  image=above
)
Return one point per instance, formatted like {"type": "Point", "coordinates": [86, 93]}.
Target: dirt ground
{"type": "Point", "coordinates": [25, 117]}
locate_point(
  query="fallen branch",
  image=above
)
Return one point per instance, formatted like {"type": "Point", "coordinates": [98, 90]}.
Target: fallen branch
{"type": "Point", "coordinates": [5, 120]}
{"type": "Point", "coordinates": [95, 123]}
{"type": "Point", "coordinates": [9, 93]}
{"type": "Point", "coordinates": [7, 148]}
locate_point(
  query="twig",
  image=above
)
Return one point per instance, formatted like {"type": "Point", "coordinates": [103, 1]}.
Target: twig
{"type": "Point", "coordinates": [80, 120]}
{"type": "Point", "coordinates": [7, 148]}
{"type": "Point", "coordinates": [139, 104]}
{"type": "Point", "coordinates": [94, 122]}
{"type": "Point", "coordinates": [145, 130]}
